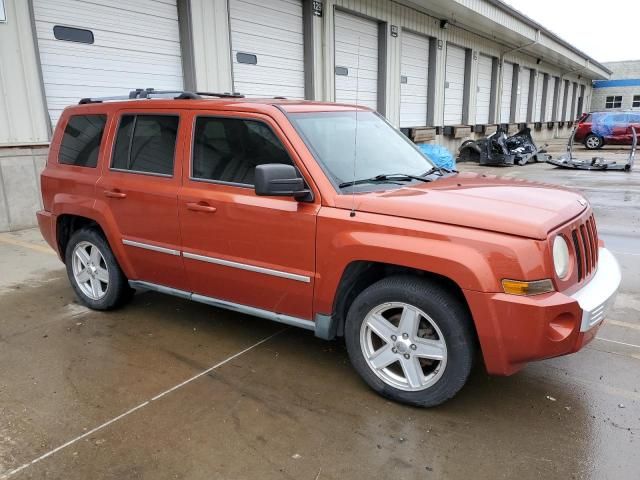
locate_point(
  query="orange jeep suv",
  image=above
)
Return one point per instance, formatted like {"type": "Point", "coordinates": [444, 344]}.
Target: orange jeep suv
{"type": "Point", "coordinates": [323, 216]}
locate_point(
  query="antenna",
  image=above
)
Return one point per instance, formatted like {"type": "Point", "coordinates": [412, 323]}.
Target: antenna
{"type": "Point", "coordinates": [355, 135]}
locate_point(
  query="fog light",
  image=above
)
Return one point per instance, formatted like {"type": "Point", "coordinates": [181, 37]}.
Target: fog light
{"type": "Point", "coordinates": [517, 287]}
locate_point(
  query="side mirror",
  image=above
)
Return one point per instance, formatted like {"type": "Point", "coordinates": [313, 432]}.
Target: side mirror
{"type": "Point", "coordinates": [279, 180]}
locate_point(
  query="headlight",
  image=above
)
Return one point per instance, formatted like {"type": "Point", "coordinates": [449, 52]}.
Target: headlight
{"type": "Point", "coordinates": [561, 256]}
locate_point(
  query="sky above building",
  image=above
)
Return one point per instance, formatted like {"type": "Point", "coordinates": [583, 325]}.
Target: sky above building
{"type": "Point", "coordinates": [606, 31]}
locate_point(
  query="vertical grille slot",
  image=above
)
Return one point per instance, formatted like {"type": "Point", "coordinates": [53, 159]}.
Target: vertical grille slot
{"type": "Point", "coordinates": [595, 236]}
{"type": "Point", "coordinates": [592, 242]}
{"type": "Point", "coordinates": [587, 250]}
{"type": "Point", "coordinates": [579, 255]}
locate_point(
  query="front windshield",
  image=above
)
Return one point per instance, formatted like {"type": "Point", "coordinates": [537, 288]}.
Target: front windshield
{"type": "Point", "coordinates": [381, 150]}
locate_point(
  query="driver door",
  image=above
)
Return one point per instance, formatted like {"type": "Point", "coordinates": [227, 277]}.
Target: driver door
{"type": "Point", "coordinates": [237, 246]}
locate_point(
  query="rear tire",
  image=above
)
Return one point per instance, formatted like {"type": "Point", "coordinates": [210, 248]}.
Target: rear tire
{"type": "Point", "coordinates": [593, 142]}
{"type": "Point", "coordinates": [411, 340]}
{"type": "Point", "coordinates": [94, 273]}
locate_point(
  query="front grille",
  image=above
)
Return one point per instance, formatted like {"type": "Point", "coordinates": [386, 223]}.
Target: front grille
{"type": "Point", "coordinates": [585, 243]}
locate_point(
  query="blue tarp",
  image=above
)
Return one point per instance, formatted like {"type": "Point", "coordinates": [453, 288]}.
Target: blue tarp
{"type": "Point", "coordinates": [439, 155]}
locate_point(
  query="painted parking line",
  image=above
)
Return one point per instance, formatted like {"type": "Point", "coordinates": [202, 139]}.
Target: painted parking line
{"type": "Point", "coordinates": [619, 323]}
{"type": "Point", "coordinates": [137, 407]}
{"type": "Point", "coordinates": [9, 240]}
{"type": "Point", "coordinates": [619, 343]}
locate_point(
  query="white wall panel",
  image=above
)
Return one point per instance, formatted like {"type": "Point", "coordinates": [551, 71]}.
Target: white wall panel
{"type": "Point", "coordinates": [23, 118]}
{"type": "Point", "coordinates": [483, 89]}
{"type": "Point", "coordinates": [414, 72]}
{"type": "Point", "coordinates": [524, 81]}
{"type": "Point", "coordinates": [454, 85]}
{"type": "Point", "coordinates": [537, 110]}
{"type": "Point", "coordinates": [551, 86]}
{"type": "Point", "coordinates": [507, 92]}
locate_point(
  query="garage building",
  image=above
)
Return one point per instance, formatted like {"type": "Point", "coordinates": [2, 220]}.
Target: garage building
{"type": "Point", "coordinates": [444, 70]}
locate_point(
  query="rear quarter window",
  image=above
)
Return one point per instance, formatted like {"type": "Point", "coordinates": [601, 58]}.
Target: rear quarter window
{"type": "Point", "coordinates": [146, 144]}
{"type": "Point", "coordinates": [81, 140]}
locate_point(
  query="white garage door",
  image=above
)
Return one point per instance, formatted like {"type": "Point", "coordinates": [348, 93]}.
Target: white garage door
{"type": "Point", "coordinates": [537, 112]}
{"type": "Point", "coordinates": [507, 92]}
{"type": "Point", "coordinates": [356, 60]}
{"type": "Point", "coordinates": [483, 96]}
{"type": "Point", "coordinates": [551, 88]}
{"type": "Point", "coordinates": [414, 75]}
{"type": "Point", "coordinates": [103, 49]}
{"type": "Point", "coordinates": [267, 47]}
{"type": "Point", "coordinates": [454, 85]}
{"type": "Point", "coordinates": [525, 88]}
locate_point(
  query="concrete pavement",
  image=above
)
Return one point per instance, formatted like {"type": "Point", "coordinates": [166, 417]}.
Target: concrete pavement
{"type": "Point", "coordinates": [165, 388]}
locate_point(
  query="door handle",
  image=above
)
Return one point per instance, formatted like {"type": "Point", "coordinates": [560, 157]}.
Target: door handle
{"type": "Point", "coordinates": [201, 207]}
{"type": "Point", "coordinates": [114, 194]}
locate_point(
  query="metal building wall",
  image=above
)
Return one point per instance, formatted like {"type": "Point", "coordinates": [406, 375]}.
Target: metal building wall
{"type": "Point", "coordinates": [23, 117]}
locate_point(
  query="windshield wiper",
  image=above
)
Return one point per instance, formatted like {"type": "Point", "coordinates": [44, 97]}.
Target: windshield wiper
{"type": "Point", "coordinates": [387, 177]}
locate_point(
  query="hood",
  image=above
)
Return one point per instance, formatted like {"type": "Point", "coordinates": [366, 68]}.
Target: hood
{"type": "Point", "coordinates": [487, 202]}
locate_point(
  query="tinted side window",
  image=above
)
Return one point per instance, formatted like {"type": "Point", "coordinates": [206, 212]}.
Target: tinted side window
{"type": "Point", "coordinates": [146, 143]}
{"type": "Point", "coordinates": [81, 140]}
{"type": "Point", "coordinates": [228, 149]}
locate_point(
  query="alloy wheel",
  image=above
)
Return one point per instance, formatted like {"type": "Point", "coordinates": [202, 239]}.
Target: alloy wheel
{"type": "Point", "coordinates": [90, 270]}
{"type": "Point", "coordinates": [403, 346]}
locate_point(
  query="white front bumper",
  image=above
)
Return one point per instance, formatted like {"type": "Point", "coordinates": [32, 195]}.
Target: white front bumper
{"type": "Point", "coordinates": [598, 296]}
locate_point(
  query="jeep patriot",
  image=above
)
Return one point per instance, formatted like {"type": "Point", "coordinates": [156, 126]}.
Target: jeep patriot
{"type": "Point", "coordinates": [325, 217]}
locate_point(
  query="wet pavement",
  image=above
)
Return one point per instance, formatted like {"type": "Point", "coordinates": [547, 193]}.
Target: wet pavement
{"type": "Point", "coordinates": [165, 388]}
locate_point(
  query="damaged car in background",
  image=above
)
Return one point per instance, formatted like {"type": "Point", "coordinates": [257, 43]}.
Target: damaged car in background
{"type": "Point", "coordinates": [602, 124]}
{"type": "Point", "coordinates": [498, 149]}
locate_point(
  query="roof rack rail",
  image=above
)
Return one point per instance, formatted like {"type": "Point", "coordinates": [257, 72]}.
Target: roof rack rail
{"type": "Point", "coordinates": [142, 93]}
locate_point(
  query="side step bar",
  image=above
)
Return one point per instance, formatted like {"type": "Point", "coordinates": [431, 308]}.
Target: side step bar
{"type": "Point", "coordinates": [236, 307]}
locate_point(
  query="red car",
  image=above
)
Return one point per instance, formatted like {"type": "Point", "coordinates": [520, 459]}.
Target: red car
{"type": "Point", "coordinates": [606, 128]}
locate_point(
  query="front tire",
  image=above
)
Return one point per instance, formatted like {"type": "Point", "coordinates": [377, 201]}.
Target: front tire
{"type": "Point", "coordinates": [410, 340]}
{"type": "Point", "coordinates": [94, 273]}
{"type": "Point", "coordinates": [593, 142]}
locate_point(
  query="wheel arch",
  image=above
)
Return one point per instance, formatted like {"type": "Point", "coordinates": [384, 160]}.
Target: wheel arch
{"type": "Point", "coordinates": [360, 274]}
{"type": "Point", "coordinates": [70, 220]}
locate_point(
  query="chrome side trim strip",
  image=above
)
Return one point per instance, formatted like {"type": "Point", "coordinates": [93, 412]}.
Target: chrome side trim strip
{"type": "Point", "coordinates": [256, 312]}
{"type": "Point", "coordinates": [160, 288]}
{"type": "Point", "coordinates": [236, 307]}
{"type": "Point", "coordinates": [251, 268]}
{"type": "Point", "coordinates": [154, 248]}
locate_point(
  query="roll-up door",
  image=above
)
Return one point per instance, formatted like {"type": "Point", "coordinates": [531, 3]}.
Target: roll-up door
{"type": "Point", "coordinates": [414, 75]}
{"type": "Point", "coordinates": [525, 89]}
{"type": "Point", "coordinates": [454, 85]}
{"type": "Point", "coordinates": [267, 47]}
{"type": "Point", "coordinates": [537, 112]}
{"type": "Point", "coordinates": [507, 92]}
{"type": "Point", "coordinates": [356, 60]}
{"type": "Point", "coordinates": [90, 50]}
{"type": "Point", "coordinates": [551, 88]}
{"type": "Point", "coordinates": [483, 95]}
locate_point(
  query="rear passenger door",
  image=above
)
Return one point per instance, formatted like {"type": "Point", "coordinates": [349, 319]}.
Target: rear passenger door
{"type": "Point", "coordinates": [237, 246]}
{"type": "Point", "coordinates": [139, 189]}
